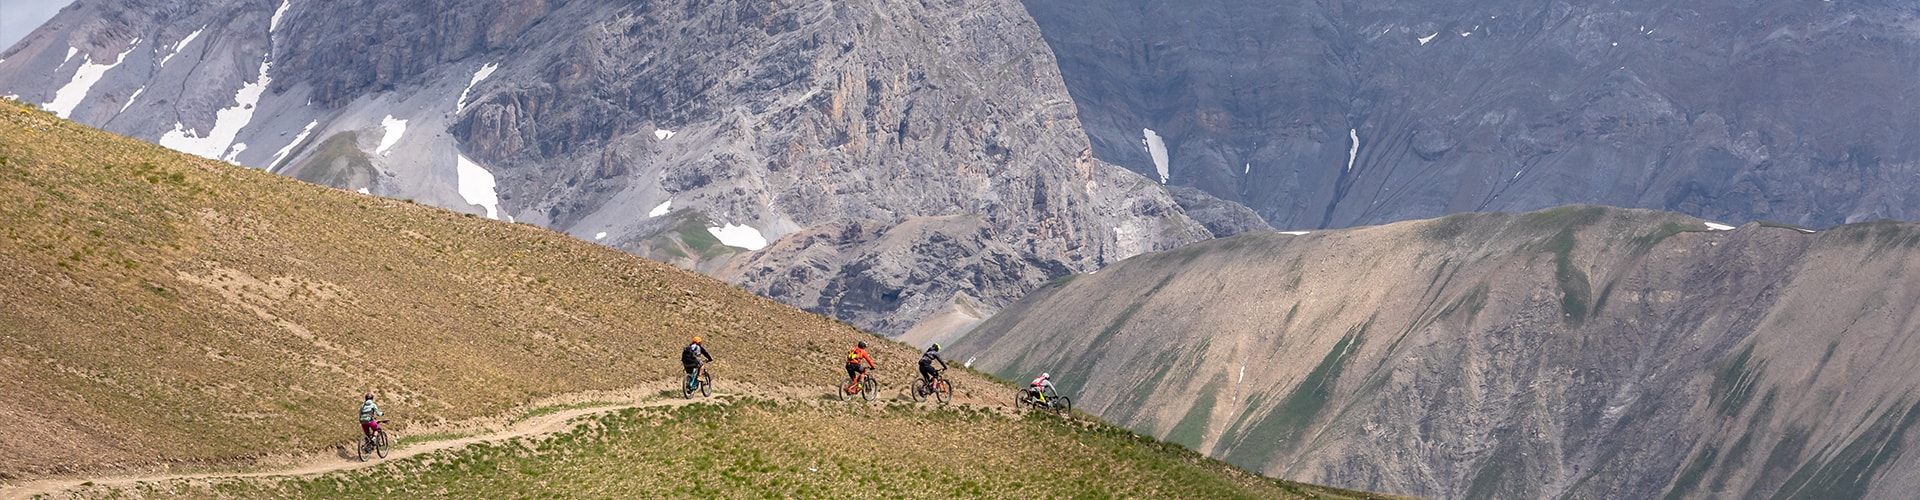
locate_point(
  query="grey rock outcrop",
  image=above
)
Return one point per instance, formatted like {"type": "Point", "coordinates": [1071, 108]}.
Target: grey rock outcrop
{"type": "Point", "coordinates": [690, 132]}
{"type": "Point", "coordinates": [1734, 111]}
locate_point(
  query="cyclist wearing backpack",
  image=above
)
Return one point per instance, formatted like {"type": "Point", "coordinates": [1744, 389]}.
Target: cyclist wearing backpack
{"type": "Point", "coordinates": [854, 357]}
{"type": "Point", "coordinates": [690, 358]}
{"type": "Point", "coordinates": [927, 373]}
{"type": "Point", "coordinates": [368, 411]}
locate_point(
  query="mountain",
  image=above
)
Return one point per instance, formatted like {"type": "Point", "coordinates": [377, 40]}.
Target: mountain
{"type": "Point", "coordinates": [1338, 114]}
{"type": "Point", "coordinates": [180, 326]}
{"type": "Point", "coordinates": [1577, 352]}
{"type": "Point", "coordinates": [742, 139]}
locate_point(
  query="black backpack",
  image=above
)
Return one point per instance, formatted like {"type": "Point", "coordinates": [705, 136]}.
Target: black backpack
{"type": "Point", "coordinates": [690, 355]}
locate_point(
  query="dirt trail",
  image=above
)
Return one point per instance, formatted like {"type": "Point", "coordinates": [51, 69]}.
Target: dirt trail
{"type": "Point", "coordinates": [498, 428]}
{"type": "Point", "coordinates": [536, 426]}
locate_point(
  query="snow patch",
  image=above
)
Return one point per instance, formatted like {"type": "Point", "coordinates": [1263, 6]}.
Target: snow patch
{"type": "Point", "coordinates": [70, 52]}
{"type": "Point", "coordinates": [1157, 149]}
{"type": "Point", "coordinates": [969, 363]}
{"type": "Point", "coordinates": [70, 95]}
{"type": "Point", "coordinates": [482, 74]}
{"type": "Point", "coordinates": [362, 191]}
{"type": "Point", "coordinates": [1715, 226]}
{"type": "Point", "coordinates": [1353, 152]}
{"type": "Point", "coordinates": [665, 206]}
{"type": "Point", "coordinates": [1248, 170]}
{"type": "Point", "coordinates": [180, 45]}
{"type": "Point", "coordinates": [235, 151]}
{"type": "Point", "coordinates": [1295, 233]}
{"type": "Point", "coordinates": [1243, 374]}
{"type": "Point", "coordinates": [741, 236]}
{"type": "Point", "coordinates": [274, 24]}
{"type": "Point", "coordinates": [662, 134]}
{"type": "Point", "coordinates": [226, 124]}
{"type": "Point", "coordinates": [600, 236]}
{"type": "Point", "coordinates": [1428, 38]}
{"type": "Point", "coordinates": [282, 154]}
{"type": "Point", "coordinates": [476, 185]}
{"type": "Point", "coordinates": [129, 103]}
{"type": "Point", "coordinates": [394, 129]}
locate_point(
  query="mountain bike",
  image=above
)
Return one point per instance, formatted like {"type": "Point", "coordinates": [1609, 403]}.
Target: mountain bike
{"type": "Point", "coordinates": [377, 443]}
{"type": "Point", "coordinates": [868, 388]}
{"type": "Point", "coordinates": [1050, 400]}
{"type": "Point", "coordinates": [699, 381]}
{"type": "Point", "coordinates": [940, 388]}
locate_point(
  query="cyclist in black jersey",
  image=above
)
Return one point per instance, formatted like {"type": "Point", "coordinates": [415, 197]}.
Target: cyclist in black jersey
{"type": "Point", "coordinates": [927, 373]}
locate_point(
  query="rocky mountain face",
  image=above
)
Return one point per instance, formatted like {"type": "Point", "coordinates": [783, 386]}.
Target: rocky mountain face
{"type": "Point", "coordinates": [834, 155]}
{"type": "Point", "coordinates": [1579, 352]}
{"type": "Point", "coordinates": [1336, 114]}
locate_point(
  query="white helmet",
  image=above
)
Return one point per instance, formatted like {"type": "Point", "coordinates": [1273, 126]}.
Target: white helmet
{"type": "Point", "coordinates": [1043, 375]}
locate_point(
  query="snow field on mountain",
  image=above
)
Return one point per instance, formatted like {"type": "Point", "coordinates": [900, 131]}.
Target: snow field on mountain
{"type": "Point", "coordinates": [1156, 148]}
{"type": "Point", "coordinates": [393, 130]}
{"type": "Point", "coordinates": [482, 74]}
{"type": "Point", "coordinates": [227, 122]}
{"type": "Point", "coordinates": [70, 95]}
{"type": "Point", "coordinates": [477, 187]}
{"type": "Point", "coordinates": [741, 236]}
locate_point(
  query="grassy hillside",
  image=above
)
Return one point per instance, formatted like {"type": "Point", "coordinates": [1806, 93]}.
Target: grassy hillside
{"type": "Point", "coordinates": [1574, 352]}
{"type": "Point", "coordinates": [168, 313]}
{"type": "Point", "coordinates": [761, 448]}
{"type": "Point", "coordinates": [152, 296]}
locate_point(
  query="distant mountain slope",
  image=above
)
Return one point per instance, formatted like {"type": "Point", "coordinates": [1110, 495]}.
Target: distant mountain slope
{"type": "Point", "coordinates": [690, 132]}
{"type": "Point", "coordinates": [1578, 352]}
{"type": "Point", "coordinates": [153, 298]}
{"type": "Point", "coordinates": [1337, 114]}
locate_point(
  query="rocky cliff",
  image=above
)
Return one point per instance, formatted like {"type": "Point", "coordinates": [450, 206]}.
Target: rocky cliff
{"type": "Point", "coordinates": [1335, 114]}
{"type": "Point", "coordinates": [1579, 352]}
{"type": "Point", "coordinates": [700, 133]}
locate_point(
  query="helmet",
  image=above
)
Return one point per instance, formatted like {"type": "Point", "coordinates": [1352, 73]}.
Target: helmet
{"type": "Point", "coordinates": [1043, 375]}
{"type": "Point", "coordinates": [936, 347]}
{"type": "Point", "coordinates": [862, 345]}
{"type": "Point", "coordinates": [369, 396]}
{"type": "Point", "coordinates": [696, 339]}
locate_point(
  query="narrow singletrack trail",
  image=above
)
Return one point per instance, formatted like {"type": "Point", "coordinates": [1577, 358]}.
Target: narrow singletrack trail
{"type": "Point", "coordinates": [531, 427]}
{"type": "Point", "coordinates": [535, 426]}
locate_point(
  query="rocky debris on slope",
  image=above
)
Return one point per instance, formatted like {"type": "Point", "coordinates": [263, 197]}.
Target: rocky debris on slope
{"type": "Point", "coordinates": [1576, 352]}
{"type": "Point", "coordinates": [1336, 115]}
{"type": "Point", "coordinates": [753, 119]}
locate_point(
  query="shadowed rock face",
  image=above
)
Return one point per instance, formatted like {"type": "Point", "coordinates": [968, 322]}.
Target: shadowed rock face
{"type": "Point", "coordinates": [784, 117]}
{"type": "Point", "coordinates": [1727, 110]}
{"type": "Point", "coordinates": [1578, 352]}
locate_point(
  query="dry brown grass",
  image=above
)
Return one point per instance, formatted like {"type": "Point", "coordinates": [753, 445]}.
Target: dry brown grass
{"type": "Point", "coordinates": [153, 300]}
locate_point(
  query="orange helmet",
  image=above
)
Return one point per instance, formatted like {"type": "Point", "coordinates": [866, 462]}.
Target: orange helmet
{"type": "Point", "coordinates": [696, 339]}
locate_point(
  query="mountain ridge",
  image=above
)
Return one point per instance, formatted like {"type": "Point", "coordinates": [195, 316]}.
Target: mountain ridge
{"type": "Point", "coordinates": [1581, 351]}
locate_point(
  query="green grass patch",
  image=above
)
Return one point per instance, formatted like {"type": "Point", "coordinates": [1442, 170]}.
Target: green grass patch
{"type": "Point", "coordinates": [763, 449]}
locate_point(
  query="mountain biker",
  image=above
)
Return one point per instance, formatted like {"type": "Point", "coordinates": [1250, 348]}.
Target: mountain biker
{"type": "Point", "coordinates": [368, 411]}
{"type": "Point", "coordinates": [1037, 389]}
{"type": "Point", "coordinates": [854, 357]}
{"type": "Point", "coordinates": [690, 357]}
{"type": "Point", "coordinates": [927, 373]}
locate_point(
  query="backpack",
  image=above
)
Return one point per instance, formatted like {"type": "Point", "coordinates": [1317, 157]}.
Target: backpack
{"type": "Point", "coordinates": [690, 355]}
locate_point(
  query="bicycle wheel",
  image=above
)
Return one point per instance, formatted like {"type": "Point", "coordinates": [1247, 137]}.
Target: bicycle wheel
{"type": "Point", "coordinates": [942, 390]}
{"type": "Point", "coordinates": [381, 444]}
{"type": "Point", "coordinates": [916, 391]}
{"type": "Point", "coordinates": [1061, 405]}
{"type": "Point", "coordinates": [870, 388]}
{"type": "Point", "coordinates": [847, 389]}
{"type": "Point", "coordinates": [686, 388]}
{"type": "Point", "coordinates": [365, 448]}
{"type": "Point", "coordinates": [706, 384]}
